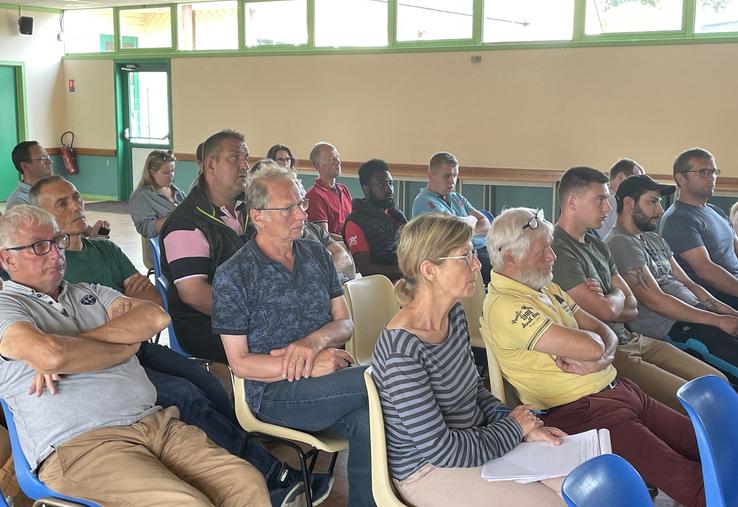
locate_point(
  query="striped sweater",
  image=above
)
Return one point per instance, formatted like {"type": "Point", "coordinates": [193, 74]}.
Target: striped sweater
{"type": "Point", "coordinates": [436, 409]}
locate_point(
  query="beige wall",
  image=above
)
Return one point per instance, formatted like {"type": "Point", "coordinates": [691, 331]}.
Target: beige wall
{"type": "Point", "coordinates": [543, 108]}
{"type": "Point", "coordinates": [42, 54]}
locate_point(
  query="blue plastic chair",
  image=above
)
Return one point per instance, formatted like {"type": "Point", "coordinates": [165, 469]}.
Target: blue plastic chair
{"type": "Point", "coordinates": [712, 404]}
{"type": "Point", "coordinates": [487, 214]}
{"type": "Point", "coordinates": [162, 285]}
{"type": "Point", "coordinates": [155, 255]}
{"type": "Point", "coordinates": [30, 484]}
{"type": "Point", "coordinates": [605, 481]}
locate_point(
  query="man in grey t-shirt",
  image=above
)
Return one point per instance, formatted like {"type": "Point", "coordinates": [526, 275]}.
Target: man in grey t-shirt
{"type": "Point", "coordinates": [78, 343]}
{"type": "Point", "coordinates": [670, 304]}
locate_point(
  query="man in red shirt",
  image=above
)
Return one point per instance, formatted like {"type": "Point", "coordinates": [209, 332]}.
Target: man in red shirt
{"type": "Point", "coordinates": [330, 202]}
{"type": "Point", "coordinates": [371, 228]}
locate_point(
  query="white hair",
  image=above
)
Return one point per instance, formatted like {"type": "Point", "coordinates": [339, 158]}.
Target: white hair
{"type": "Point", "coordinates": [508, 233]}
{"type": "Point", "coordinates": [20, 217]}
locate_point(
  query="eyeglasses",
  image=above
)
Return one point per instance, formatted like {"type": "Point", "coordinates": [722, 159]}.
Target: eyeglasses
{"type": "Point", "coordinates": [284, 160]}
{"type": "Point", "coordinates": [42, 159]}
{"type": "Point", "coordinates": [534, 221]}
{"type": "Point", "coordinates": [165, 155]}
{"type": "Point", "coordinates": [468, 257]}
{"type": "Point", "coordinates": [705, 173]}
{"type": "Point", "coordinates": [43, 246]}
{"type": "Point", "coordinates": [287, 211]}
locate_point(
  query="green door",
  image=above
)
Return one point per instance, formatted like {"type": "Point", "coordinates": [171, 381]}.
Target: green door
{"type": "Point", "coordinates": [8, 130]}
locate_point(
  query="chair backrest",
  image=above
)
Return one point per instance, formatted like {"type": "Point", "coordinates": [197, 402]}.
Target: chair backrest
{"type": "Point", "coordinates": [252, 424]}
{"type": "Point", "coordinates": [162, 285]}
{"type": "Point", "coordinates": [146, 253]}
{"type": "Point", "coordinates": [605, 481]}
{"type": "Point", "coordinates": [372, 304]}
{"type": "Point", "coordinates": [382, 488]}
{"type": "Point", "coordinates": [712, 404]}
{"type": "Point", "coordinates": [473, 306]}
{"type": "Point", "coordinates": [155, 255]}
{"type": "Point", "coordinates": [28, 481]}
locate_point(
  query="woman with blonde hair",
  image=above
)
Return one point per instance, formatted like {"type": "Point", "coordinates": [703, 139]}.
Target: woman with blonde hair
{"type": "Point", "coordinates": [156, 196]}
{"type": "Point", "coordinates": [441, 423]}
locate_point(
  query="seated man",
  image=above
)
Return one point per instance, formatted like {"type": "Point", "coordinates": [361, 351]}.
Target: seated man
{"type": "Point", "coordinates": [198, 395]}
{"type": "Point", "coordinates": [331, 201]}
{"type": "Point", "coordinates": [280, 312]}
{"type": "Point", "coordinates": [439, 195]}
{"type": "Point", "coordinates": [618, 172]}
{"type": "Point", "coordinates": [371, 228]}
{"type": "Point", "coordinates": [98, 434]}
{"type": "Point", "coordinates": [700, 234]}
{"type": "Point", "coordinates": [585, 269]}
{"type": "Point", "coordinates": [558, 357]}
{"type": "Point", "coordinates": [670, 303]}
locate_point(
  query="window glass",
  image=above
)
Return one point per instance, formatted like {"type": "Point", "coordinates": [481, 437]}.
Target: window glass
{"type": "Point", "coordinates": [528, 20]}
{"type": "Point", "coordinates": [350, 23]}
{"type": "Point", "coordinates": [614, 16]}
{"type": "Point", "coordinates": [716, 16]}
{"type": "Point", "coordinates": [146, 28]}
{"type": "Point", "coordinates": [207, 25]}
{"type": "Point", "coordinates": [148, 108]}
{"type": "Point", "coordinates": [88, 31]}
{"type": "Point", "coordinates": [276, 23]}
{"type": "Point", "coordinates": [434, 19]}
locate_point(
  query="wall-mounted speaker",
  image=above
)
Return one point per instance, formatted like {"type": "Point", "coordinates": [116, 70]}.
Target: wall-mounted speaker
{"type": "Point", "coordinates": [25, 25]}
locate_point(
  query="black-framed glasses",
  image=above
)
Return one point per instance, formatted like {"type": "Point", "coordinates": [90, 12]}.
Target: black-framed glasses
{"type": "Point", "coordinates": [468, 257]}
{"type": "Point", "coordinates": [534, 221]}
{"type": "Point", "coordinates": [42, 247]}
{"type": "Point", "coordinates": [705, 173]}
{"type": "Point", "coordinates": [288, 210]}
{"type": "Point", "coordinates": [42, 159]}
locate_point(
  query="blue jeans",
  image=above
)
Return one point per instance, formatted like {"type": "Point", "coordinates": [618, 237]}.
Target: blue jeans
{"type": "Point", "coordinates": [201, 401]}
{"type": "Point", "coordinates": [336, 403]}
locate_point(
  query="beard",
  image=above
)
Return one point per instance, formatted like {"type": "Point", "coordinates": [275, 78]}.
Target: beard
{"type": "Point", "coordinates": [536, 279]}
{"type": "Point", "coordinates": [642, 221]}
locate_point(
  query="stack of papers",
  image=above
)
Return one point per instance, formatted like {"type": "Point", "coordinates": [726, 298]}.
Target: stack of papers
{"type": "Point", "coordinates": [537, 461]}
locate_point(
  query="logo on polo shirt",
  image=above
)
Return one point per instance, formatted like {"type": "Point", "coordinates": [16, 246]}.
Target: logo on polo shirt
{"type": "Point", "coordinates": [525, 316]}
{"type": "Point", "coordinates": [352, 241]}
{"type": "Point", "coordinates": [89, 299]}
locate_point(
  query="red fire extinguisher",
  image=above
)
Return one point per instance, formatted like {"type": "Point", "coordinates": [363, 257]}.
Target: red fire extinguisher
{"type": "Point", "coordinates": [67, 154]}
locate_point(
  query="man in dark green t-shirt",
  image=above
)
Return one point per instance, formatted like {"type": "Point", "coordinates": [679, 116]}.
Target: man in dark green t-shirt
{"type": "Point", "coordinates": [586, 270]}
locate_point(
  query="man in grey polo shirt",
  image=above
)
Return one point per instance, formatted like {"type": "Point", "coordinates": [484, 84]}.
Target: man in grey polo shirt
{"type": "Point", "coordinates": [78, 342]}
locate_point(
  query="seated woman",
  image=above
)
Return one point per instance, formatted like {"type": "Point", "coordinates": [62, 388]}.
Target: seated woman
{"type": "Point", "coordinates": [156, 196]}
{"type": "Point", "coordinates": [441, 423]}
{"type": "Point", "coordinates": [282, 155]}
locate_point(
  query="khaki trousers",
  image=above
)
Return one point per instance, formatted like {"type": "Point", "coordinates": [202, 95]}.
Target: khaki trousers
{"type": "Point", "coordinates": [431, 486]}
{"type": "Point", "coordinates": [158, 461]}
{"type": "Point", "coordinates": [659, 368]}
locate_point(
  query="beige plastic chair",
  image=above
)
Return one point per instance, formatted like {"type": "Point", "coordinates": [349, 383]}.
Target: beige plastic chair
{"type": "Point", "coordinates": [286, 436]}
{"type": "Point", "coordinates": [498, 386]}
{"type": "Point", "coordinates": [473, 309]}
{"type": "Point", "coordinates": [146, 255]}
{"type": "Point", "coordinates": [371, 302]}
{"type": "Point", "coordinates": [382, 487]}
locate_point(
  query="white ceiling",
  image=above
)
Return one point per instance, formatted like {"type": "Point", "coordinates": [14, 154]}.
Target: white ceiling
{"type": "Point", "coordinates": [91, 4]}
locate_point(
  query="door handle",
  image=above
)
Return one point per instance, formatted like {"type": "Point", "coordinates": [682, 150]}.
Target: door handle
{"type": "Point", "coordinates": [126, 134]}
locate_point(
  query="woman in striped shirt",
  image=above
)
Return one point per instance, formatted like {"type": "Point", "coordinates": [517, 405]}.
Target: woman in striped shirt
{"type": "Point", "coordinates": [441, 423]}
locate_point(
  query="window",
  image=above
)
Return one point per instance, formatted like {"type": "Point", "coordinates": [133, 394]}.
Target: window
{"type": "Point", "coordinates": [151, 27]}
{"type": "Point", "coordinates": [207, 25]}
{"type": "Point", "coordinates": [618, 16]}
{"type": "Point", "coordinates": [88, 31]}
{"type": "Point", "coordinates": [359, 23]}
{"type": "Point", "coordinates": [419, 20]}
{"type": "Point", "coordinates": [148, 107]}
{"type": "Point", "coordinates": [528, 20]}
{"type": "Point", "coordinates": [276, 23]}
{"type": "Point", "coordinates": [716, 16]}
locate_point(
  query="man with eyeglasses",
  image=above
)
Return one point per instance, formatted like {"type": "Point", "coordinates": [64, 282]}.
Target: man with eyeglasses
{"type": "Point", "coordinates": [371, 228]}
{"type": "Point", "coordinates": [101, 416]}
{"type": "Point", "coordinates": [558, 357]}
{"type": "Point", "coordinates": [33, 163]}
{"type": "Point", "coordinates": [280, 312]}
{"type": "Point", "coordinates": [699, 233]}
{"type": "Point", "coordinates": [330, 201]}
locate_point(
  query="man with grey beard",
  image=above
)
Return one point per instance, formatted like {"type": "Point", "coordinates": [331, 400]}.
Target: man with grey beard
{"type": "Point", "coordinates": [670, 303]}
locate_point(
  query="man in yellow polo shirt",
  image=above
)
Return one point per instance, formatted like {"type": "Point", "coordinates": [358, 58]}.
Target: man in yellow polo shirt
{"type": "Point", "coordinates": [558, 357]}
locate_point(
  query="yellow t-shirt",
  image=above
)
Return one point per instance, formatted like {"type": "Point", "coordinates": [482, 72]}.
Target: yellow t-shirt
{"type": "Point", "coordinates": [514, 318]}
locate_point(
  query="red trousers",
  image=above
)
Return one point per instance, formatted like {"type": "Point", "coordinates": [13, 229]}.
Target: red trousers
{"type": "Point", "coordinates": [658, 441]}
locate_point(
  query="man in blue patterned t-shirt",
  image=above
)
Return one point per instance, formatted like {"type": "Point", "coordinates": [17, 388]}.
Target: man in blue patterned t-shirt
{"type": "Point", "coordinates": [282, 317]}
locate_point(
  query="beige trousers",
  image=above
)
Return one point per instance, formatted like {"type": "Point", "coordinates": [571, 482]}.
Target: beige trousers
{"type": "Point", "coordinates": [158, 461]}
{"type": "Point", "coordinates": [659, 368]}
{"type": "Point", "coordinates": [432, 486]}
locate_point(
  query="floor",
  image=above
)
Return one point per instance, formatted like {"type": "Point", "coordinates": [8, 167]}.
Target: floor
{"type": "Point", "coordinates": [123, 233]}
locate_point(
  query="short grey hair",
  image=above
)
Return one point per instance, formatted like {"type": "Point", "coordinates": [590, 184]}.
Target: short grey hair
{"type": "Point", "coordinates": [20, 217]}
{"type": "Point", "coordinates": [256, 195]}
{"type": "Point", "coordinates": [508, 233]}
{"type": "Point", "coordinates": [34, 194]}
{"type": "Point", "coordinates": [315, 152]}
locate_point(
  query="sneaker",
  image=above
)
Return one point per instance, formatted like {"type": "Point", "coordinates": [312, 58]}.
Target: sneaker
{"type": "Point", "coordinates": [294, 494]}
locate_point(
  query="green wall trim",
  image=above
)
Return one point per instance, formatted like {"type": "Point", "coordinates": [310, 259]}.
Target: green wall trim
{"type": "Point", "coordinates": [30, 8]}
